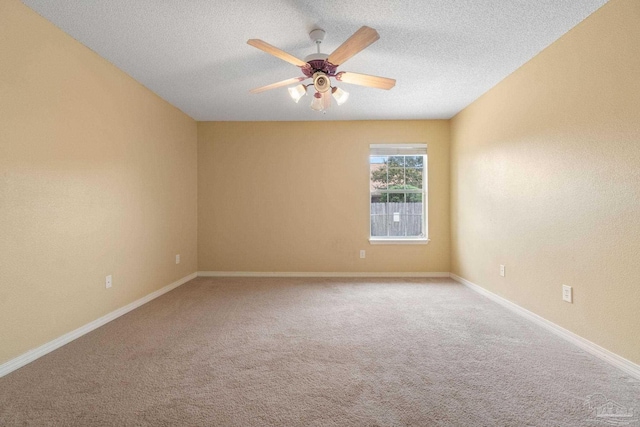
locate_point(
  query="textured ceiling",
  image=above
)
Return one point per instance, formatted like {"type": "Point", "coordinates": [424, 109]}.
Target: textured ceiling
{"type": "Point", "coordinates": [443, 53]}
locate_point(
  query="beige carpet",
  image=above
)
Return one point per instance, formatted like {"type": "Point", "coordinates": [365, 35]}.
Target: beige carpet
{"type": "Point", "coordinates": [316, 352]}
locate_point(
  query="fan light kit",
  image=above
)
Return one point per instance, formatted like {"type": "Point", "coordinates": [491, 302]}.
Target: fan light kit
{"type": "Point", "coordinates": [321, 68]}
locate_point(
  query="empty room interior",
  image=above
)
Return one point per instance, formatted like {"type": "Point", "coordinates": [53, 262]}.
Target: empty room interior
{"type": "Point", "coordinates": [319, 213]}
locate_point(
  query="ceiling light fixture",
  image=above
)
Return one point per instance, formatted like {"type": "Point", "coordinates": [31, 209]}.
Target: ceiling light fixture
{"type": "Point", "coordinates": [322, 68]}
{"type": "Point", "coordinates": [323, 91]}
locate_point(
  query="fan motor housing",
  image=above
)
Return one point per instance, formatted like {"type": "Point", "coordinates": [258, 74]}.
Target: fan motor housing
{"type": "Point", "coordinates": [321, 82]}
{"type": "Point", "coordinates": [320, 64]}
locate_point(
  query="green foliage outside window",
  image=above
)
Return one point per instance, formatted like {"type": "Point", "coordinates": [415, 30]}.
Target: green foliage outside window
{"type": "Point", "coordinates": [395, 174]}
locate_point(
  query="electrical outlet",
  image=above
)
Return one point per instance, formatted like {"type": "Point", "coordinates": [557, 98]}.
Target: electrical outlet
{"type": "Point", "coordinates": [363, 254]}
{"type": "Point", "coordinates": [567, 293]}
{"type": "Point", "coordinates": [178, 259]}
{"type": "Point", "coordinates": [108, 281]}
{"type": "Point", "coordinates": [501, 270]}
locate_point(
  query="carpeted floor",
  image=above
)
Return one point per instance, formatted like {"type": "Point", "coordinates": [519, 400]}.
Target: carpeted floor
{"type": "Point", "coordinates": [316, 352]}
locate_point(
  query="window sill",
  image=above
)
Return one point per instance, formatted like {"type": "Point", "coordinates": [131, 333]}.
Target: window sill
{"type": "Point", "coordinates": [373, 241]}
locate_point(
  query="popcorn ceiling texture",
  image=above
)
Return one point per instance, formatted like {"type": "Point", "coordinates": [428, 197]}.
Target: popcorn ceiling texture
{"type": "Point", "coordinates": [444, 53]}
{"type": "Point", "coordinates": [316, 352]}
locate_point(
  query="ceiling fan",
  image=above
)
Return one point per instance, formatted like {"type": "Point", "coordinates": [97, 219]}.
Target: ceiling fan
{"type": "Point", "coordinates": [322, 68]}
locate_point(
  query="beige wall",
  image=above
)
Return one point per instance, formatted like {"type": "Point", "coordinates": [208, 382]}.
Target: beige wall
{"type": "Point", "coordinates": [97, 177]}
{"type": "Point", "coordinates": [546, 180]}
{"type": "Point", "coordinates": [294, 197]}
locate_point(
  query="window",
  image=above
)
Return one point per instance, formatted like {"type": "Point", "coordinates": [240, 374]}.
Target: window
{"type": "Point", "coordinates": [398, 190]}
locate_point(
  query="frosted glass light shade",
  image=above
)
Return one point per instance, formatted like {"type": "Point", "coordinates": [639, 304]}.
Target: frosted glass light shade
{"type": "Point", "coordinates": [317, 104]}
{"type": "Point", "coordinates": [326, 100]}
{"type": "Point", "coordinates": [297, 92]}
{"type": "Point", "coordinates": [340, 95]}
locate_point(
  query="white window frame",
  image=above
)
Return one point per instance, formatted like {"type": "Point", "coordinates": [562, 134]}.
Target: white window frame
{"type": "Point", "coordinates": [402, 150]}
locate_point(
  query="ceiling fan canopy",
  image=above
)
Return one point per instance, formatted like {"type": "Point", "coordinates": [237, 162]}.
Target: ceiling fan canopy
{"type": "Point", "coordinates": [322, 68]}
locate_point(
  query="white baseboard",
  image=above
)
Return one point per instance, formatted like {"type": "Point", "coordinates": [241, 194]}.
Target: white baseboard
{"type": "Point", "coordinates": [315, 274]}
{"type": "Point", "coordinates": [594, 349]}
{"type": "Point", "coordinates": [34, 354]}
{"type": "Point", "coordinates": [613, 359]}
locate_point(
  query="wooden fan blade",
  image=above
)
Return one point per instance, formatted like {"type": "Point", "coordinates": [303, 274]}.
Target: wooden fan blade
{"type": "Point", "coordinates": [279, 84]}
{"type": "Point", "coordinates": [366, 80]}
{"type": "Point", "coordinates": [278, 53]}
{"type": "Point", "coordinates": [354, 44]}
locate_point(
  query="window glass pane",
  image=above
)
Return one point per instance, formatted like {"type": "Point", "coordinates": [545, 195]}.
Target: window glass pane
{"type": "Point", "coordinates": [396, 216]}
{"type": "Point", "coordinates": [395, 179]}
{"type": "Point", "coordinates": [378, 176]}
{"type": "Point", "coordinates": [396, 197]}
{"type": "Point", "coordinates": [414, 161]}
{"type": "Point", "coordinates": [396, 161]}
{"type": "Point", "coordinates": [379, 198]}
{"type": "Point", "coordinates": [413, 225]}
{"type": "Point", "coordinates": [414, 198]}
{"type": "Point", "coordinates": [415, 212]}
{"type": "Point", "coordinates": [378, 215]}
{"type": "Point", "coordinates": [413, 178]}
